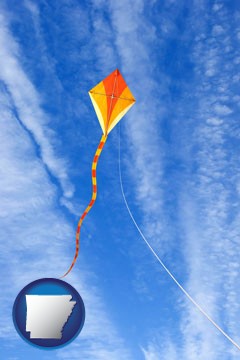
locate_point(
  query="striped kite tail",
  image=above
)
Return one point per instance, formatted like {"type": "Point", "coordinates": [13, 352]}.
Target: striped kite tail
{"type": "Point", "coordinates": [93, 199]}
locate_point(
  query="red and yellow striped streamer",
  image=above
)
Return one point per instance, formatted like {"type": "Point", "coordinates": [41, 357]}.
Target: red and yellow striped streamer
{"type": "Point", "coordinates": [91, 203]}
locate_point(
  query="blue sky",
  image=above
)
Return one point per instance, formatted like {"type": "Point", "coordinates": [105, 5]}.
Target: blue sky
{"type": "Point", "coordinates": [180, 168]}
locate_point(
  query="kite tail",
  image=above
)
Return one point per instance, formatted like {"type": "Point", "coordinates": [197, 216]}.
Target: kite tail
{"type": "Point", "coordinates": [93, 199]}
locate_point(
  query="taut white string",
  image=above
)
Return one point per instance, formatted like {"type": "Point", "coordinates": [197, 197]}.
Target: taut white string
{"type": "Point", "coordinates": [160, 261]}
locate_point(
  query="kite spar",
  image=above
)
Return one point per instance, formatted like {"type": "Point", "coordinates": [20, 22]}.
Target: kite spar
{"type": "Point", "coordinates": [111, 99]}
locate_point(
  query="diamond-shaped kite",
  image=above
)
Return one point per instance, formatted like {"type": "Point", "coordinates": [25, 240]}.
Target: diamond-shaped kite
{"type": "Point", "coordinates": [111, 99]}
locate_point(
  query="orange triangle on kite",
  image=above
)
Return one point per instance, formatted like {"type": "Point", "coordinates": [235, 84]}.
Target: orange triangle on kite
{"type": "Point", "coordinates": [111, 99]}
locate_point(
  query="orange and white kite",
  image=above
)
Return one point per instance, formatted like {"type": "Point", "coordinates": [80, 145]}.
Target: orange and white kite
{"type": "Point", "coordinates": [111, 99]}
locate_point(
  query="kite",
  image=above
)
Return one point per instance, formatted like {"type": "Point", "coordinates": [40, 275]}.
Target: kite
{"type": "Point", "coordinates": [111, 99]}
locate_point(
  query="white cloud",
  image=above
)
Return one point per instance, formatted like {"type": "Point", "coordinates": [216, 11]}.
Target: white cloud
{"type": "Point", "coordinates": [217, 7]}
{"type": "Point", "coordinates": [210, 245]}
{"type": "Point", "coordinates": [34, 232]}
{"type": "Point", "coordinates": [34, 237]}
{"type": "Point", "coordinates": [130, 25]}
{"type": "Point", "coordinates": [207, 206]}
{"type": "Point", "coordinates": [32, 7]}
{"type": "Point", "coordinates": [27, 102]}
{"type": "Point", "coordinates": [215, 121]}
{"type": "Point", "coordinates": [164, 351]}
{"type": "Point", "coordinates": [205, 199]}
{"type": "Point", "coordinates": [217, 30]}
{"type": "Point", "coordinates": [222, 109]}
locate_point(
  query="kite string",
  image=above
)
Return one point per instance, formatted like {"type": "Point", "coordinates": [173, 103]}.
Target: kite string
{"type": "Point", "coordinates": [160, 261]}
{"type": "Point", "coordinates": [92, 201]}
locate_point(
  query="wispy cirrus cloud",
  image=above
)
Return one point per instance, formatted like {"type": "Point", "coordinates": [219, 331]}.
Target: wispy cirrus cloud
{"type": "Point", "coordinates": [131, 37]}
{"type": "Point", "coordinates": [34, 230]}
{"type": "Point", "coordinates": [181, 166]}
{"type": "Point", "coordinates": [28, 107]}
{"type": "Point", "coordinates": [210, 215]}
{"type": "Point", "coordinates": [204, 195]}
{"type": "Point", "coordinates": [166, 350]}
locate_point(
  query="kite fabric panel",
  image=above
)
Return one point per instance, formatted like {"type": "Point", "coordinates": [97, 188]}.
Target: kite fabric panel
{"type": "Point", "coordinates": [111, 99]}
